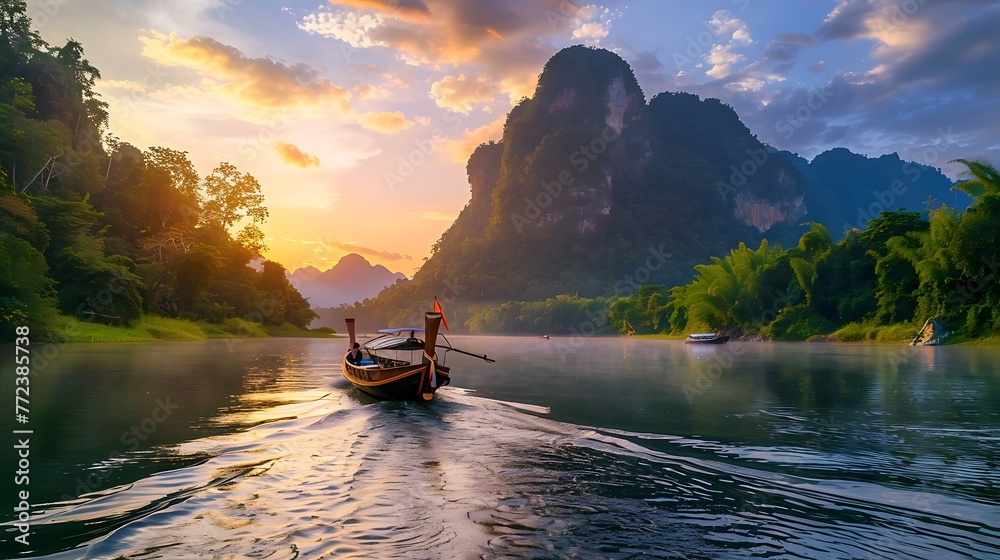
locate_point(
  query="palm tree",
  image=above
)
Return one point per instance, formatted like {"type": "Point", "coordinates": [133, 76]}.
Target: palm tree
{"type": "Point", "coordinates": [983, 178]}
{"type": "Point", "coordinates": [816, 241]}
{"type": "Point", "coordinates": [812, 245]}
{"type": "Point", "coordinates": [727, 293]}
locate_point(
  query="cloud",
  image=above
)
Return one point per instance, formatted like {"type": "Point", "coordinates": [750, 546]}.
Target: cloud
{"type": "Point", "coordinates": [350, 27]}
{"type": "Point", "coordinates": [262, 82]}
{"type": "Point", "coordinates": [389, 122]}
{"type": "Point", "coordinates": [351, 247]}
{"type": "Point", "coordinates": [460, 93]}
{"type": "Point", "coordinates": [746, 83]}
{"type": "Point", "coordinates": [730, 29]}
{"type": "Point", "coordinates": [509, 40]}
{"type": "Point", "coordinates": [899, 25]}
{"type": "Point", "coordinates": [460, 150]}
{"type": "Point", "coordinates": [818, 67]}
{"type": "Point", "coordinates": [291, 154]}
{"type": "Point", "coordinates": [881, 20]}
{"type": "Point", "coordinates": [403, 9]}
{"type": "Point", "coordinates": [963, 54]}
{"type": "Point", "coordinates": [368, 91]}
{"type": "Point", "coordinates": [731, 33]}
{"type": "Point", "coordinates": [848, 20]}
{"type": "Point", "coordinates": [591, 32]}
{"type": "Point", "coordinates": [259, 81]}
{"type": "Point", "coordinates": [722, 58]}
{"type": "Point", "coordinates": [934, 45]}
{"type": "Point", "coordinates": [785, 48]}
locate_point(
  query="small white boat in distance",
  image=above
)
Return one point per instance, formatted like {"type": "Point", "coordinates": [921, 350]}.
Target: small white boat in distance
{"type": "Point", "coordinates": [706, 338]}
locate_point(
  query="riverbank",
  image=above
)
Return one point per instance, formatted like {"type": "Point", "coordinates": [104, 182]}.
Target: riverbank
{"type": "Point", "coordinates": [661, 336]}
{"type": "Point", "coordinates": [860, 333]}
{"type": "Point", "coordinates": [152, 328]}
{"type": "Point", "coordinates": [985, 342]}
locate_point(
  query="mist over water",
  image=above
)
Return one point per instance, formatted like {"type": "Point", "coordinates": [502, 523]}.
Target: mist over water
{"type": "Point", "coordinates": [593, 448]}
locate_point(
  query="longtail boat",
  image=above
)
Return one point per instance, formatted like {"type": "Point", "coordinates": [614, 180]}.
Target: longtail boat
{"type": "Point", "coordinates": [386, 368]}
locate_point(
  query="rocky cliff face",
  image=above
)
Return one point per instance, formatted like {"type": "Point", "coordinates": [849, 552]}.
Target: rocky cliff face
{"type": "Point", "coordinates": [569, 146]}
{"type": "Point", "coordinates": [484, 172]}
{"type": "Point", "coordinates": [763, 214]}
{"type": "Point", "coordinates": [590, 180]}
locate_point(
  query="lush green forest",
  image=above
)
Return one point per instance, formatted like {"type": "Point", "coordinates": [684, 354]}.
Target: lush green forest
{"type": "Point", "coordinates": [879, 284]}
{"type": "Point", "coordinates": [884, 281]}
{"type": "Point", "coordinates": [95, 229]}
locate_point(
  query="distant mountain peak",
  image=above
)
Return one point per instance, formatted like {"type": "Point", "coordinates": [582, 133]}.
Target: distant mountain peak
{"type": "Point", "coordinates": [306, 272]}
{"type": "Point", "coordinates": [352, 279]}
{"type": "Point", "coordinates": [352, 259]}
{"type": "Point", "coordinates": [846, 189]}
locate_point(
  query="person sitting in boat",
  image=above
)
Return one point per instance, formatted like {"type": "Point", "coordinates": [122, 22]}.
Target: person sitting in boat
{"type": "Point", "coordinates": [355, 356]}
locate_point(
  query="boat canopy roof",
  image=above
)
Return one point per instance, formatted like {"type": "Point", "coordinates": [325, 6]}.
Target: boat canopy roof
{"type": "Point", "coordinates": [703, 335]}
{"type": "Point", "coordinates": [395, 343]}
{"type": "Point", "coordinates": [400, 329]}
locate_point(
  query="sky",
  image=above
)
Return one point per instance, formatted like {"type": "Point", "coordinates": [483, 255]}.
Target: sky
{"type": "Point", "coordinates": [358, 116]}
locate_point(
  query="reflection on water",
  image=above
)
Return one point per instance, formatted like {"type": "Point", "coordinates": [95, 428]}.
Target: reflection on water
{"type": "Point", "coordinates": [614, 448]}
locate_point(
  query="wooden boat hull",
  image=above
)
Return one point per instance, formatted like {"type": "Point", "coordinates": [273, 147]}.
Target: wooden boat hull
{"type": "Point", "coordinates": [717, 340]}
{"type": "Point", "coordinates": [409, 382]}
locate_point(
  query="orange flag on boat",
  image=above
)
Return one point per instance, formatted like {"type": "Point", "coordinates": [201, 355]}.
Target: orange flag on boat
{"type": "Point", "coordinates": [437, 309]}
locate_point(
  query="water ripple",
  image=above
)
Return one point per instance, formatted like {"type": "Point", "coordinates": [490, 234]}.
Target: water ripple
{"type": "Point", "coordinates": [473, 478]}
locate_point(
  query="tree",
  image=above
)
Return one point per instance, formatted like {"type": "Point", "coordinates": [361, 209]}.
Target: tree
{"type": "Point", "coordinates": [285, 303]}
{"type": "Point", "coordinates": [230, 198]}
{"type": "Point", "coordinates": [644, 312]}
{"type": "Point", "coordinates": [895, 288]}
{"type": "Point", "coordinates": [29, 149]}
{"type": "Point", "coordinates": [26, 291]}
{"type": "Point", "coordinates": [17, 40]}
{"type": "Point", "coordinates": [845, 283]}
{"type": "Point", "coordinates": [932, 257]}
{"type": "Point", "coordinates": [194, 272]}
{"type": "Point", "coordinates": [89, 284]}
{"type": "Point", "coordinates": [983, 178]}
{"type": "Point", "coordinates": [805, 275]}
{"type": "Point", "coordinates": [816, 241]}
{"type": "Point", "coordinates": [812, 246]}
{"type": "Point", "coordinates": [176, 164]}
{"type": "Point", "coordinates": [740, 291]}
{"type": "Point", "coordinates": [101, 290]}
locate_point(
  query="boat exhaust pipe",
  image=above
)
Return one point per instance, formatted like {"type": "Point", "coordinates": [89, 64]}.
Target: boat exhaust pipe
{"type": "Point", "coordinates": [350, 332]}
{"type": "Point", "coordinates": [432, 322]}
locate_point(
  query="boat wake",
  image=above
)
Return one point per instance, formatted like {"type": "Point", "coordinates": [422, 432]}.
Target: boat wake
{"type": "Point", "coordinates": [468, 477]}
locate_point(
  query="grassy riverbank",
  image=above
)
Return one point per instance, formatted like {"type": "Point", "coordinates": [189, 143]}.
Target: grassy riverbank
{"type": "Point", "coordinates": [152, 328]}
{"type": "Point", "coordinates": [877, 334]}
{"type": "Point", "coordinates": [661, 336]}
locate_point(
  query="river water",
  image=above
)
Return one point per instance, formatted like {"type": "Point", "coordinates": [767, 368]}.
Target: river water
{"type": "Point", "coordinates": [564, 448]}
